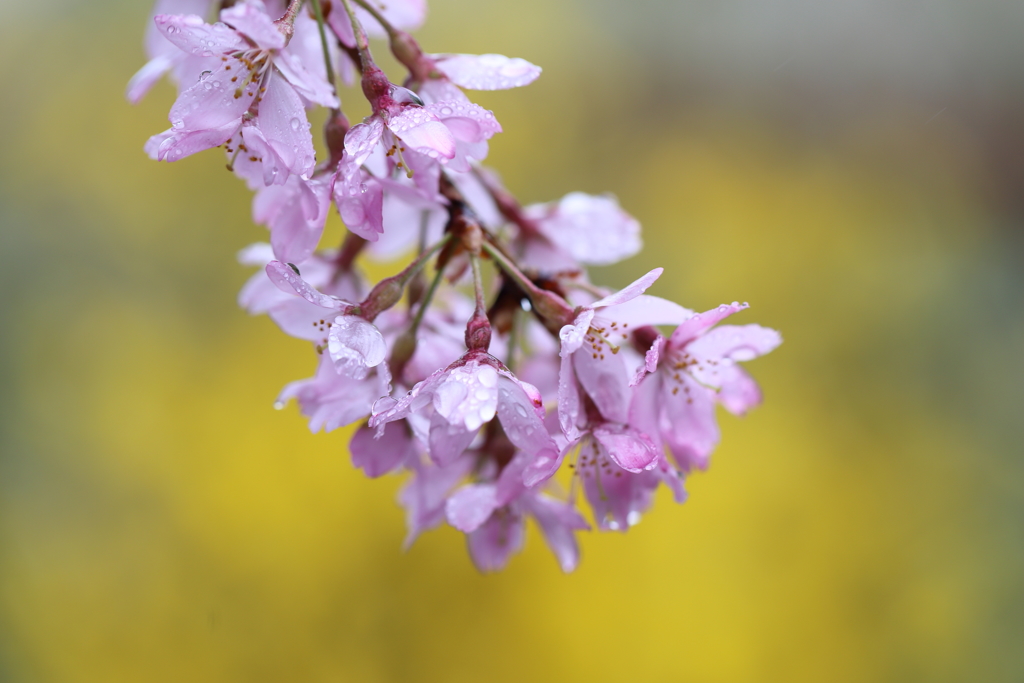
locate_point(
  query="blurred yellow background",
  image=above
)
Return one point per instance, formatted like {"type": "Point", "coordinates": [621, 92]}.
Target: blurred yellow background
{"type": "Point", "coordinates": [853, 170]}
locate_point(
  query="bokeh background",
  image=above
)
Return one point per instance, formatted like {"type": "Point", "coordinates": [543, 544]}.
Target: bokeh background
{"type": "Point", "coordinates": [853, 169]}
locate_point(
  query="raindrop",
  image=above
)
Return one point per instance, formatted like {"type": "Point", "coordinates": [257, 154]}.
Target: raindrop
{"type": "Point", "coordinates": [278, 405]}
{"type": "Point", "coordinates": [295, 125]}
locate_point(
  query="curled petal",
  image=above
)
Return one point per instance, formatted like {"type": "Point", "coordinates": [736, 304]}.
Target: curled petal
{"type": "Point", "coordinates": [287, 280]}
{"type": "Point", "coordinates": [630, 291]}
{"type": "Point", "coordinates": [355, 345]}
{"type": "Point", "coordinates": [699, 322]}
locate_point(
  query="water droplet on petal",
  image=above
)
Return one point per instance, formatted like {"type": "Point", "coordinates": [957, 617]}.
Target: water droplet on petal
{"type": "Point", "coordinates": [296, 124]}
{"type": "Point", "coordinates": [278, 405]}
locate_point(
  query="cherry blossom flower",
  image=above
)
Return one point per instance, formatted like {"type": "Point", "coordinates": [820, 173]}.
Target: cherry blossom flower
{"type": "Point", "coordinates": [590, 346]}
{"type": "Point", "coordinates": [461, 398]}
{"type": "Point", "coordinates": [684, 377]}
{"type": "Point", "coordinates": [249, 86]}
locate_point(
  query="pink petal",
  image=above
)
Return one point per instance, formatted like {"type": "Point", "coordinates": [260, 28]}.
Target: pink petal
{"type": "Point", "coordinates": [594, 229]}
{"type": "Point", "coordinates": [212, 102]}
{"type": "Point", "coordinates": [558, 521]}
{"type": "Point", "coordinates": [519, 418]}
{"type": "Point", "coordinates": [690, 430]}
{"type": "Point", "coordinates": [360, 201]}
{"type": "Point", "coordinates": [468, 122]}
{"type": "Point", "coordinates": [736, 342]}
{"type": "Point", "coordinates": [496, 541]}
{"type": "Point", "coordinates": [650, 361]}
{"type": "Point", "coordinates": [173, 145]}
{"type": "Point", "coordinates": [605, 380]}
{"type": "Point", "coordinates": [289, 281]}
{"type": "Point", "coordinates": [360, 141]}
{"type": "Point", "coordinates": [739, 392]}
{"type": "Point", "coordinates": [470, 506]}
{"type": "Point", "coordinates": [378, 456]}
{"type": "Point", "coordinates": [630, 291]}
{"type": "Point", "coordinates": [631, 450]}
{"type": "Point", "coordinates": [194, 36]}
{"type": "Point", "coordinates": [282, 120]}
{"type": "Point", "coordinates": [694, 326]}
{"type": "Point", "coordinates": [646, 310]}
{"type": "Point", "coordinates": [487, 72]}
{"type": "Point", "coordinates": [253, 22]}
{"type": "Point", "coordinates": [568, 399]}
{"type": "Point", "coordinates": [144, 79]}
{"type": "Point", "coordinates": [355, 345]}
{"type": "Point", "coordinates": [421, 131]}
{"type": "Point", "coordinates": [447, 441]}
{"type": "Point", "coordinates": [313, 87]}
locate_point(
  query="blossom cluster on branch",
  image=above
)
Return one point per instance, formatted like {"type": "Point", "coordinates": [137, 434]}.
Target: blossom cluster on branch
{"type": "Point", "coordinates": [481, 382]}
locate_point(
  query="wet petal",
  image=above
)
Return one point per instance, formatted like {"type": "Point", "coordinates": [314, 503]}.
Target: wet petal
{"type": "Point", "coordinates": [487, 72]}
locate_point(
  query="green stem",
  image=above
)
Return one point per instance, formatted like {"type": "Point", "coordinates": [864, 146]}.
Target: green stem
{"type": "Point", "coordinates": [427, 298]}
{"type": "Point", "coordinates": [362, 44]}
{"type": "Point", "coordinates": [545, 304]}
{"type": "Point", "coordinates": [323, 42]}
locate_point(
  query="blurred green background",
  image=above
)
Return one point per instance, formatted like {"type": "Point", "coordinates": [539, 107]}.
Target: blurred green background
{"type": "Point", "coordinates": [853, 170]}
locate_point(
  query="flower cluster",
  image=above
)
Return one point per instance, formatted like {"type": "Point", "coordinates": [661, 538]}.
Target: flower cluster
{"type": "Point", "coordinates": [490, 360]}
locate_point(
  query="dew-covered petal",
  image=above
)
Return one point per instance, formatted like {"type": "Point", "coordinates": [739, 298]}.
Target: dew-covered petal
{"type": "Point", "coordinates": [253, 21]}
{"type": "Point", "coordinates": [173, 145]}
{"type": "Point", "coordinates": [631, 450]}
{"type": "Point", "coordinates": [360, 141]}
{"type": "Point", "coordinates": [470, 506]}
{"type": "Point", "coordinates": [468, 395]}
{"type": "Point", "coordinates": [360, 201]}
{"type": "Point", "coordinates": [522, 419]}
{"type": "Point", "coordinates": [486, 72]}
{"type": "Point", "coordinates": [194, 36]}
{"type": "Point", "coordinates": [568, 400]}
{"type": "Point", "coordinates": [355, 345]}
{"type": "Point", "coordinates": [422, 132]}
{"type": "Point", "coordinates": [282, 275]}
{"type": "Point", "coordinates": [468, 122]}
{"type": "Point", "coordinates": [282, 120]}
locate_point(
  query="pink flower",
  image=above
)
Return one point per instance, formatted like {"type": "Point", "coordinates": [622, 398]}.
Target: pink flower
{"type": "Point", "coordinates": [249, 85]}
{"type": "Point", "coordinates": [684, 377]}
{"type": "Point", "coordinates": [590, 347]}
{"type": "Point", "coordinates": [461, 398]}
{"type": "Point", "coordinates": [444, 132]}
